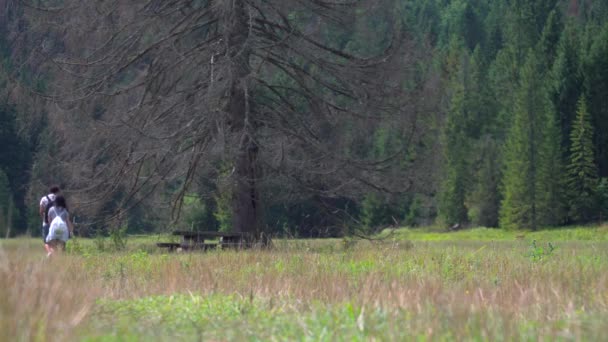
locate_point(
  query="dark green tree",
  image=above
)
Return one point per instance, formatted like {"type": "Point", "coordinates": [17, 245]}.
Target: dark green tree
{"type": "Point", "coordinates": [456, 149]}
{"type": "Point", "coordinates": [461, 18]}
{"type": "Point", "coordinates": [595, 82]}
{"type": "Point", "coordinates": [582, 177]}
{"type": "Point", "coordinates": [521, 32]}
{"type": "Point", "coordinates": [484, 199]}
{"type": "Point", "coordinates": [6, 205]}
{"type": "Point", "coordinates": [566, 83]}
{"type": "Point", "coordinates": [15, 160]}
{"type": "Point", "coordinates": [551, 197]}
{"type": "Point", "coordinates": [494, 25]}
{"type": "Point", "coordinates": [525, 23]}
{"type": "Point", "coordinates": [503, 78]}
{"type": "Point", "coordinates": [423, 18]}
{"type": "Point", "coordinates": [550, 37]}
{"type": "Point", "coordinates": [602, 199]}
{"type": "Point", "coordinates": [527, 152]}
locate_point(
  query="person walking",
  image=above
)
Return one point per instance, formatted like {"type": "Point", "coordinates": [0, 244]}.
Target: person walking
{"type": "Point", "coordinates": [60, 228]}
{"type": "Point", "coordinates": [46, 202]}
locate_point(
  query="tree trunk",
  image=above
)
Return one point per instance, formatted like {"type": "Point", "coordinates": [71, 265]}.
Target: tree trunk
{"type": "Point", "coordinates": [9, 218]}
{"type": "Point", "coordinates": [245, 197]}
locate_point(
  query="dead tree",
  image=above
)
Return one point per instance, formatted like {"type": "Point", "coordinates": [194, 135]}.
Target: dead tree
{"type": "Point", "coordinates": [149, 92]}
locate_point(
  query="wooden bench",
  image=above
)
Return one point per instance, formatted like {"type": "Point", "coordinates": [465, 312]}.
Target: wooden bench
{"type": "Point", "coordinates": [192, 240]}
{"type": "Point", "coordinates": [234, 242]}
{"type": "Point", "coordinates": [171, 246]}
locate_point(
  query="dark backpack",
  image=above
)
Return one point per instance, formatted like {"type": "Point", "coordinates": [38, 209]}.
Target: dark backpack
{"type": "Point", "coordinates": [49, 204]}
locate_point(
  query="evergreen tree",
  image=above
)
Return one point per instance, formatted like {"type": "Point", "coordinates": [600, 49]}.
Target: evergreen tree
{"type": "Point", "coordinates": [461, 19]}
{"type": "Point", "coordinates": [525, 152]}
{"type": "Point", "coordinates": [595, 81]}
{"type": "Point", "coordinates": [521, 32]}
{"type": "Point", "coordinates": [456, 146]}
{"type": "Point", "coordinates": [551, 207]}
{"type": "Point", "coordinates": [5, 199]}
{"type": "Point", "coordinates": [551, 198]}
{"type": "Point", "coordinates": [470, 117]}
{"type": "Point", "coordinates": [582, 172]}
{"type": "Point", "coordinates": [494, 27]}
{"type": "Point", "coordinates": [595, 11]}
{"type": "Point", "coordinates": [602, 199]}
{"type": "Point", "coordinates": [566, 84]}
{"type": "Point", "coordinates": [503, 76]}
{"type": "Point", "coordinates": [525, 24]}
{"type": "Point", "coordinates": [479, 100]}
{"type": "Point", "coordinates": [550, 37]}
{"type": "Point", "coordinates": [422, 18]}
{"type": "Point", "coordinates": [484, 200]}
{"type": "Point", "coordinates": [15, 160]}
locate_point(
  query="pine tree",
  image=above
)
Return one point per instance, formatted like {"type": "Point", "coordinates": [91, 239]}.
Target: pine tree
{"type": "Point", "coordinates": [452, 197]}
{"type": "Point", "coordinates": [484, 200]}
{"type": "Point", "coordinates": [503, 76]}
{"type": "Point", "coordinates": [550, 36]}
{"type": "Point", "coordinates": [521, 31]}
{"type": "Point", "coordinates": [5, 204]}
{"type": "Point", "coordinates": [469, 119]}
{"type": "Point", "coordinates": [595, 81]}
{"type": "Point", "coordinates": [551, 197]}
{"type": "Point", "coordinates": [566, 84]}
{"type": "Point", "coordinates": [525, 24]}
{"type": "Point", "coordinates": [15, 161]}
{"type": "Point", "coordinates": [602, 199]}
{"type": "Point", "coordinates": [582, 171]}
{"type": "Point", "coordinates": [494, 27]}
{"type": "Point", "coordinates": [461, 19]}
{"type": "Point", "coordinates": [478, 97]}
{"type": "Point", "coordinates": [524, 150]}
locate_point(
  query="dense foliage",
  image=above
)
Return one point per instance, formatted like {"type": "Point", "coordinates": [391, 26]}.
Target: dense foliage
{"type": "Point", "coordinates": [515, 83]}
{"type": "Point", "coordinates": [513, 128]}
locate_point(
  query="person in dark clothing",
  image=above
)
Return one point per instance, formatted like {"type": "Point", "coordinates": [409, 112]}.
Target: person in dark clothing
{"type": "Point", "coordinates": [61, 227]}
{"type": "Point", "coordinates": [46, 202]}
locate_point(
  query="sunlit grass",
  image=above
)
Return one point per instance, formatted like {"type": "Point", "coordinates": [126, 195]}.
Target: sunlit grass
{"type": "Point", "coordinates": [594, 233]}
{"type": "Point", "coordinates": [506, 288]}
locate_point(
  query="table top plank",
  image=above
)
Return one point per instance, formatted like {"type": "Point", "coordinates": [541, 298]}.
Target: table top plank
{"type": "Point", "coordinates": [168, 244]}
{"type": "Point", "coordinates": [207, 234]}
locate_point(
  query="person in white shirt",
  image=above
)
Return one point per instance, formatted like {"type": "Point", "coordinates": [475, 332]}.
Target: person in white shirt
{"type": "Point", "coordinates": [46, 202]}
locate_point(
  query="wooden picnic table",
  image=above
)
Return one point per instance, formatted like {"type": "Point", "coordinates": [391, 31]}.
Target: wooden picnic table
{"type": "Point", "coordinates": [192, 240]}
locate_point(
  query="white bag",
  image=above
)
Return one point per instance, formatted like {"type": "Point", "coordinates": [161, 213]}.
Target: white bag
{"type": "Point", "coordinates": [58, 230]}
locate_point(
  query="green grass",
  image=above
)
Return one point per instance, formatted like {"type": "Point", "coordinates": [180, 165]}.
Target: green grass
{"type": "Point", "coordinates": [362, 310]}
{"type": "Point", "coordinates": [221, 317]}
{"type": "Point", "coordinates": [479, 284]}
{"type": "Point", "coordinates": [593, 233]}
{"type": "Point", "coordinates": [398, 236]}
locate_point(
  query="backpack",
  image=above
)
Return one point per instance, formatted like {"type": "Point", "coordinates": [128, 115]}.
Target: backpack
{"type": "Point", "coordinates": [58, 230]}
{"type": "Point", "coordinates": [49, 205]}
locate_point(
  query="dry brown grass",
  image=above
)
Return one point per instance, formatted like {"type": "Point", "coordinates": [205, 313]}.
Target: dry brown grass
{"type": "Point", "coordinates": [443, 284]}
{"type": "Point", "coordinates": [42, 300]}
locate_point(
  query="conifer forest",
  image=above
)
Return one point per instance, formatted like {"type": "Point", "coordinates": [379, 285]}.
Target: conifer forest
{"type": "Point", "coordinates": [304, 118]}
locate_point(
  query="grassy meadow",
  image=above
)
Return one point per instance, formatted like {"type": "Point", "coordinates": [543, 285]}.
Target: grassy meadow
{"type": "Point", "coordinates": [479, 284]}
